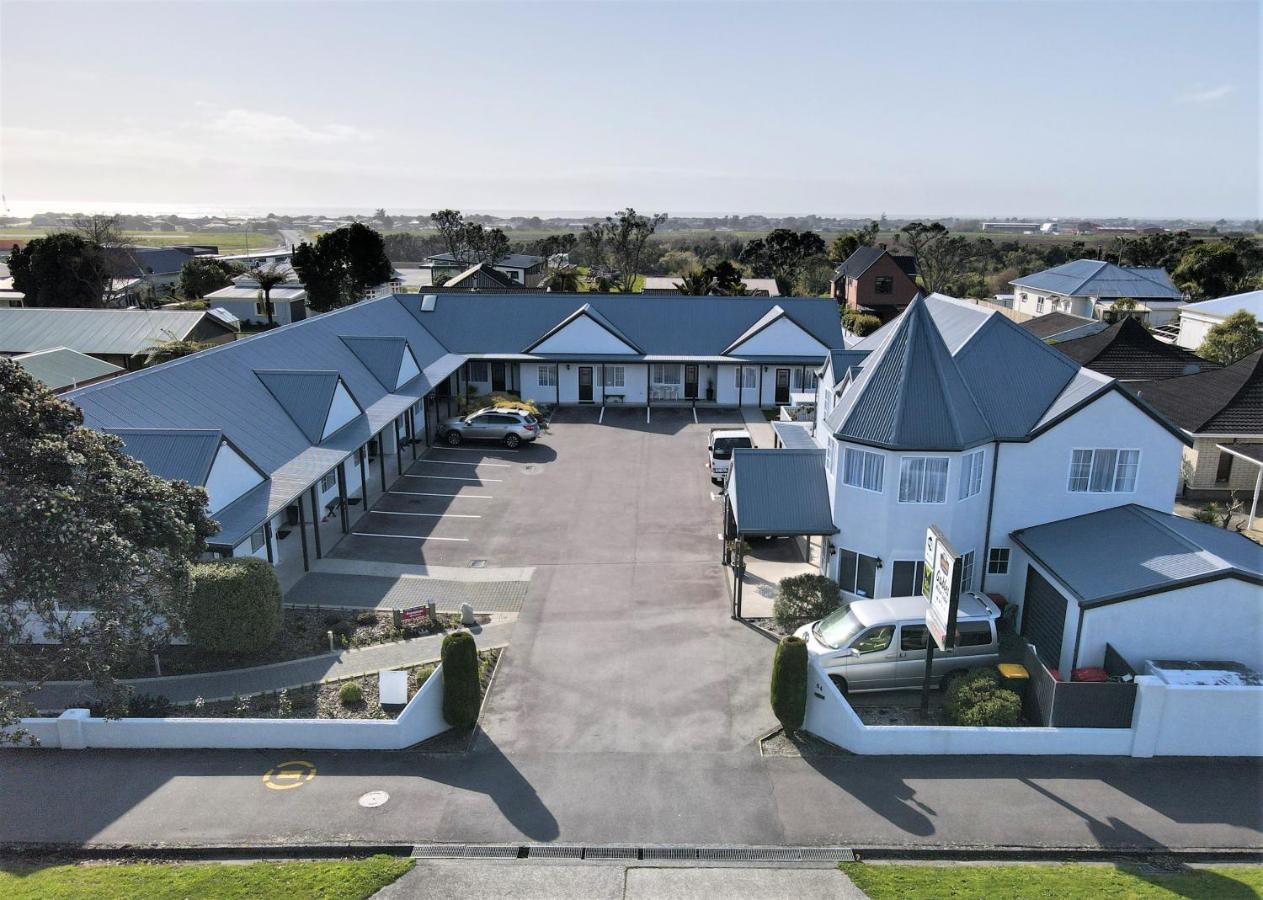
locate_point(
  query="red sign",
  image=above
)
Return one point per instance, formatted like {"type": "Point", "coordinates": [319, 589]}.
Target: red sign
{"type": "Point", "coordinates": [415, 613]}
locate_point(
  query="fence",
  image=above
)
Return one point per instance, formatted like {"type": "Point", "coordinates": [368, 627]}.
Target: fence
{"type": "Point", "coordinates": [420, 720]}
{"type": "Point", "coordinates": [1079, 704]}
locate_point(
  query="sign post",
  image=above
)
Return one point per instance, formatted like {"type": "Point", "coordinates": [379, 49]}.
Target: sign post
{"type": "Point", "coordinates": [940, 583]}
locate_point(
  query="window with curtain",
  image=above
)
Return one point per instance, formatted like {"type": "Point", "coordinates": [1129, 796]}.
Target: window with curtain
{"type": "Point", "coordinates": [666, 374]}
{"type": "Point", "coordinates": [906, 580]}
{"type": "Point", "coordinates": [923, 479]}
{"type": "Point", "coordinates": [971, 474]}
{"type": "Point", "coordinates": [476, 369]}
{"type": "Point", "coordinates": [547, 376]}
{"type": "Point", "coordinates": [863, 469]}
{"type": "Point", "coordinates": [615, 376]}
{"type": "Point", "coordinates": [858, 573]}
{"type": "Point", "coordinates": [747, 377]}
{"type": "Point", "coordinates": [1104, 471]}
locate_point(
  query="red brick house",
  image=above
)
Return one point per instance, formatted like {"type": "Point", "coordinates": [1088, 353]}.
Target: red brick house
{"type": "Point", "coordinates": [874, 280]}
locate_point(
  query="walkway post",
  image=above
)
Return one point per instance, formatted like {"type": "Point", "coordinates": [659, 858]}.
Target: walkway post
{"type": "Point", "coordinates": [342, 496]}
{"type": "Point", "coordinates": [267, 541]}
{"type": "Point", "coordinates": [361, 456]}
{"type": "Point", "coordinates": [315, 520]}
{"type": "Point", "coordinates": [398, 448]}
{"type": "Point", "coordinates": [381, 456]}
{"type": "Point", "coordinates": [302, 533]}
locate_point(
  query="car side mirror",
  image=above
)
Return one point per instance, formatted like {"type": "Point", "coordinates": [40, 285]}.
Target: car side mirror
{"type": "Point", "coordinates": [853, 651]}
{"type": "Point", "coordinates": [710, 447]}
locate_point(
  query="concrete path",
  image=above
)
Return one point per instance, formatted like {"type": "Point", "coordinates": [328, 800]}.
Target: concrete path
{"type": "Point", "coordinates": [759, 427]}
{"type": "Point", "coordinates": [338, 566]}
{"type": "Point", "coordinates": [331, 589]}
{"type": "Point", "coordinates": [259, 679]}
{"type": "Point", "coordinates": [476, 880]}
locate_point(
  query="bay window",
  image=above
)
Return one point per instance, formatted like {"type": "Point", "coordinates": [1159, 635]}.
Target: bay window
{"type": "Point", "coordinates": [923, 479]}
{"type": "Point", "coordinates": [1103, 471]}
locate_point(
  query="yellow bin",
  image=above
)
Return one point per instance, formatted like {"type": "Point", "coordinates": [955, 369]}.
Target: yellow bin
{"type": "Point", "coordinates": [1014, 676]}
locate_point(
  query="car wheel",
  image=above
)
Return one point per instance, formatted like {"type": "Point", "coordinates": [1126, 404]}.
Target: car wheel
{"type": "Point", "coordinates": [511, 441]}
{"type": "Point", "coordinates": [454, 438]}
{"type": "Point", "coordinates": [840, 683]}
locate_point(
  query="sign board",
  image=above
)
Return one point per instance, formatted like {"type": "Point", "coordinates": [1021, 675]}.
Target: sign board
{"type": "Point", "coordinates": [941, 586]}
{"type": "Point", "coordinates": [413, 615]}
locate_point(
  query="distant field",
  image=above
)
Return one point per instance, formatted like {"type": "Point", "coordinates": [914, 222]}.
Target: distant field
{"type": "Point", "coordinates": [226, 241]}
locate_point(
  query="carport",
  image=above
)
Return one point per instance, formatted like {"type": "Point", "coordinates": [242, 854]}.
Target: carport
{"type": "Point", "coordinates": [772, 493]}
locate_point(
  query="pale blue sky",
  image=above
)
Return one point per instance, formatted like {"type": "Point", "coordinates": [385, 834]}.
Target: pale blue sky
{"type": "Point", "coordinates": [1046, 107]}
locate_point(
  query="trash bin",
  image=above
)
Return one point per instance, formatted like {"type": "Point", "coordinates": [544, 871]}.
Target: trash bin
{"type": "Point", "coordinates": [1014, 676]}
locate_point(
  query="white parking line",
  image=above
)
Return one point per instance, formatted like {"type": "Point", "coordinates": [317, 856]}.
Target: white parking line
{"type": "Point", "coordinates": [695, 422]}
{"type": "Point", "coordinates": [471, 450]}
{"type": "Point", "coordinates": [601, 418]}
{"type": "Point", "coordinates": [453, 496]}
{"type": "Point", "coordinates": [451, 478]}
{"type": "Point", "coordinates": [409, 537]}
{"type": "Point", "coordinates": [387, 512]}
{"type": "Point", "coordinates": [455, 462]}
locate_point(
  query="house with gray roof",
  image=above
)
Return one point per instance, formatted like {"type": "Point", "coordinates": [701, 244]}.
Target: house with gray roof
{"type": "Point", "coordinates": [1089, 288]}
{"type": "Point", "coordinates": [521, 269]}
{"type": "Point", "coordinates": [60, 368]}
{"type": "Point", "coordinates": [1197, 319]}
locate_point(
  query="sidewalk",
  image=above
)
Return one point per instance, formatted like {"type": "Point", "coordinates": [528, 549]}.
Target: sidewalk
{"type": "Point", "coordinates": [58, 695]}
{"type": "Point", "coordinates": [759, 427]}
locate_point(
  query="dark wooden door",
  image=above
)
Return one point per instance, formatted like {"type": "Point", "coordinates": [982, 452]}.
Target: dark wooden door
{"type": "Point", "coordinates": [690, 382]}
{"type": "Point", "coordinates": [497, 376]}
{"type": "Point", "coordinates": [782, 385]}
{"type": "Point", "coordinates": [1044, 618]}
{"type": "Point", "coordinates": [585, 384]}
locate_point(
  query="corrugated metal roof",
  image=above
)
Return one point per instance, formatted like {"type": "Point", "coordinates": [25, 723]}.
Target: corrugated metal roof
{"type": "Point", "coordinates": [780, 492]}
{"type": "Point", "coordinates": [62, 367]}
{"type": "Point", "coordinates": [509, 260]}
{"type": "Point", "coordinates": [1222, 307]}
{"type": "Point", "coordinates": [795, 435]}
{"type": "Point", "coordinates": [1097, 278]}
{"type": "Point", "coordinates": [176, 455]}
{"type": "Point", "coordinates": [304, 395]}
{"type": "Point", "coordinates": [123, 332]}
{"type": "Point", "coordinates": [381, 355]}
{"type": "Point", "coordinates": [1129, 551]}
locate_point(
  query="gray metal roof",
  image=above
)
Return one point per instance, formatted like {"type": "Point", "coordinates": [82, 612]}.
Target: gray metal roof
{"type": "Point", "coordinates": [795, 435]}
{"type": "Point", "coordinates": [62, 367]}
{"type": "Point", "coordinates": [176, 455]}
{"type": "Point", "coordinates": [779, 492]}
{"type": "Point", "coordinates": [381, 355]}
{"type": "Point", "coordinates": [509, 260]}
{"type": "Point", "coordinates": [1097, 278]}
{"type": "Point", "coordinates": [1130, 551]}
{"type": "Point", "coordinates": [123, 332]}
{"type": "Point", "coordinates": [304, 395]}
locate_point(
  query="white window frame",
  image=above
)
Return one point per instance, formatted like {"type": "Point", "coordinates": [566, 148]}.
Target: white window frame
{"type": "Point", "coordinates": [971, 469]}
{"type": "Point", "coordinates": [967, 566]}
{"type": "Point", "coordinates": [615, 376]}
{"type": "Point", "coordinates": [998, 561]}
{"type": "Point", "coordinates": [831, 454]}
{"type": "Point", "coordinates": [864, 461]}
{"type": "Point", "coordinates": [906, 460]}
{"type": "Point", "coordinates": [747, 378]}
{"type": "Point", "coordinates": [660, 372]}
{"type": "Point", "coordinates": [853, 587]}
{"type": "Point", "coordinates": [547, 376]}
{"type": "Point", "coordinates": [329, 481]}
{"type": "Point", "coordinates": [1117, 479]}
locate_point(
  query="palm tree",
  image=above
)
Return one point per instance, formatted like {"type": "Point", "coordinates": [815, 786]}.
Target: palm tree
{"type": "Point", "coordinates": [267, 279]}
{"type": "Point", "coordinates": [171, 347]}
{"type": "Point", "coordinates": [563, 279]}
{"type": "Point", "coordinates": [696, 284]}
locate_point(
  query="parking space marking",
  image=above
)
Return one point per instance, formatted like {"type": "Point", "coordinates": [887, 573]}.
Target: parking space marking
{"type": "Point", "coordinates": [456, 462]}
{"type": "Point", "coordinates": [601, 418]}
{"type": "Point", "coordinates": [409, 537]}
{"type": "Point", "coordinates": [452, 478]}
{"type": "Point", "coordinates": [386, 512]}
{"type": "Point", "coordinates": [472, 450]}
{"type": "Point", "coordinates": [695, 422]}
{"type": "Point", "coordinates": [450, 496]}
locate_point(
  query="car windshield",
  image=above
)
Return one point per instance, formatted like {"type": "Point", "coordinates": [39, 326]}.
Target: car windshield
{"type": "Point", "coordinates": [838, 628]}
{"type": "Point", "coordinates": [724, 446]}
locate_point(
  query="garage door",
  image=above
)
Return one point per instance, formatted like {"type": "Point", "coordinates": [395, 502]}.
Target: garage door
{"type": "Point", "coordinates": [1043, 617]}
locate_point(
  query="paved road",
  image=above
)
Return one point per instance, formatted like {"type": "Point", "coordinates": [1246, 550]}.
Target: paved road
{"type": "Point", "coordinates": [626, 711]}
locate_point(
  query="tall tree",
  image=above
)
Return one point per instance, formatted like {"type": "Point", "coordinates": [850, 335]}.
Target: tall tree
{"type": "Point", "coordinates": [201, 275]}
{"type": "Point", "coordinates": [341, 266]}
{"type": "Point", "coordinates": [485, 245]}
{"type": "Point", "coordinates": [782, 254]}
{"type": "Point", "coordinates": [85, 528]}
{"type": "Point", "coordinates": [268, 278]}
{"type": "Point", "coordinates": [61, 269]}
{"type": "Point", "coordinates": [1219, 268]}
{"type": "Point", "coordinates": [1232, 339]}
{"type": "Point", "coordinates": [844, 245]}
{"type": "Point", "coordinates": [619, 244]}
{"type": "Point", "coordinates": [451, 227]}
{"type": "Point", "coordinates": [941, 257]}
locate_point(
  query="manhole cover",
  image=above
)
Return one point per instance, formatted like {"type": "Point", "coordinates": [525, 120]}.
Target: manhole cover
{"type": "Point", "coordinates": [374, 798]}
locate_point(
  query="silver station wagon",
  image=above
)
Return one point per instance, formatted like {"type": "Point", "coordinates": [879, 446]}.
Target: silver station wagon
{"type": "Point", "coordinates": [509, 426]}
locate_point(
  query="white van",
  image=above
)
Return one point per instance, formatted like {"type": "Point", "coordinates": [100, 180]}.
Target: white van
{"type": "Point", "coordinates": [722, 442]}
{"type": "Point", "coordinates": [879, 645]}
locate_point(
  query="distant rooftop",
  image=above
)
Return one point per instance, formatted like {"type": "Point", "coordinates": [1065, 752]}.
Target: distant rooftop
{"type": "Point", "coordinates": [1097, 278]}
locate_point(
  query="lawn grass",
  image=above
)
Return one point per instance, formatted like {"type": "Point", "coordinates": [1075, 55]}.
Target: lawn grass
{"type": "Point", "coordinates": [226, 241]}
{"type": "Point", "coordinates": [334, 880]}
{"type": "Point", "coordinates": [1051, 882]}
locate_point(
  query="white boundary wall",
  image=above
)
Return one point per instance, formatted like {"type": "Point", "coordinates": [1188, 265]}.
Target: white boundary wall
{"type": "Point", "coordinates": [1169, 720]}
{"type": "Point", "coordinates": [421, 719]}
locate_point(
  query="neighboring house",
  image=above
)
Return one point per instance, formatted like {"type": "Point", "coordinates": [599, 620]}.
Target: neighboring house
{"type": "Point", "coordinates": [954, 416]}
{"type": "Point", "coordinates": [480, 276]}
{"type": "Point", "coordinates": [1127, 351]}
{"type": "Point", "coordinates": [755, 287]}
{"type": "Point", "coordinates": [1089, 288]}
{"type": "Point", "coordinates": [244, 300]}
{"type": "Point", "coordinates": [1219, 407]}
{"type": "Point", "coordinates": [1151, 584]}
{"type": "Point", "coordinates": [1056, 327]}
{"type": "Point", "coordinates": [123, 337]}
{"type": "Point", "coordinates": [62, 369]}
{"type": "Point", "coordinates": [145, 275]}
{"type": "Point", "coordinates": [1197, 319]}
{"type": "Point", "coordinates": [874, 280]}
{"type": "Point", "coordinates": [522, 269]}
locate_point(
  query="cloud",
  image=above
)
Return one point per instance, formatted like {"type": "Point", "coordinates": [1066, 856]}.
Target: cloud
{"type": "Point", "coordinates": [257, 125]}
{"type": "Point", "coordinates": [1206, 95]}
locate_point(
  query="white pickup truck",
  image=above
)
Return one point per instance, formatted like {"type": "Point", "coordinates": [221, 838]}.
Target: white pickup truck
{"type": "Point", "coordinates": [722, 442]}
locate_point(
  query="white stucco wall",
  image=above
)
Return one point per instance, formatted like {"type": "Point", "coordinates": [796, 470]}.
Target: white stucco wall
{"type": "Point", "coordinates": [230, 477]}
{"type": "Point", "coordinates": [1193, 329]}
{"type": "Point", "coordinates": [781, 338]}
{"type": "Point", "coordinates": [583, 335]}
{"type": "Point", "coordinates": [407, 368]}
{"type": "Point", "coordinates": [342, 409]}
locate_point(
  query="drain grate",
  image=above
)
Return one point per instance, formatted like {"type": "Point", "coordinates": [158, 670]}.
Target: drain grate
{"type": "Point", "coordinates": [828, 854]}
{"type": "Point", "coordinates": [491, 853]}
{"type": "Point", "coordinates": [611, 853]}
{"type": "Point", "coordinates": [749, 854]}
{"type": "Point", "coordinates": [438, 851]}
{"type": "Point", "coordinates": [572, 851]}
{"type": "Point", "coordinates": [548, 851]}
{"type": "Point", "coordinates": [669, 853]}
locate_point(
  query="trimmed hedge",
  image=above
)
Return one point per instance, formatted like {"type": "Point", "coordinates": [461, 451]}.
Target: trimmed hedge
{"type": "Point", "coordinates": [234, 605]}
{"type": "Point", "coordinates": [978, 698]}
{"type": "Point", "coordinates": [804, 598]}
{"type": "Point", "coordinates": [350, 694]}
{"type": "Point", "coordinates": [789, 683]}
{"type": "Point", "coordinates": [462, 690]}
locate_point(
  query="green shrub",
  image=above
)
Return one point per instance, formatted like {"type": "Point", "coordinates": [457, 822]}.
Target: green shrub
{"type": "Point", "coordinates": [462, 691]}
{"type": "Point", "coordinates": [859, 323]}
{"type": "Point", "coordinates": [789, 683]}
{"type": "Point", "coordinates": [804, 598]}
{"type": "Point", "coordinates": [350, 694]}
{"type": "Point", "coordinates": [343, 628]}
{"type": "Point", "coordinates": [234, 605]}
{"type": "Point", "coordinates": [368, 617]}
{"type": "Point", "coordinates": [978, 698]}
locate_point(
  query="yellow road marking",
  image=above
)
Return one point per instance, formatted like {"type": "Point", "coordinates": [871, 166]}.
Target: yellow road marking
{"type": "Point", "coordinates": [294, 772]}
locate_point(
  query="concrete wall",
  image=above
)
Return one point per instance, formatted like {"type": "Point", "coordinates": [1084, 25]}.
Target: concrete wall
{"type": "Point", "coordinates": [420, 720]}
{"type": "Point", "coordinates": [1168, 721]}
{"type": "Point", "coordinates": [1203, 457]}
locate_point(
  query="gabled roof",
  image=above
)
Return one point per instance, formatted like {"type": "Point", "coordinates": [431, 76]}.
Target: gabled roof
{"type": "Point", "coordinates": [509, 261]}
{"type": "Point", "coordinates": [1222, 307]}
{"type": "Point", "coordinates": [173, 454]}
{"type": "Point", "coordinates": [104, 332]}
{"type": "Point", "coordinates": [1051, 326]}
{"type": "Point", "coordinates": [910, 393]}
{"type": "Point", "coordinates": [1219, 401]}
{"type": "Point", "coordinates": [306, 395]}
{"type": "Point", "coordinates": [863, 259]}
{"type": "Point", "coordinates": [779, 492]}
{"type": "Point", "coordinates": [838, 361]}
{"type": "Point", "coordinates": [1131, 551]}
{"type": "Point", "coordinates": [133, 261]}
{"type": "Point", "coordinates": [770, 318]}
{"type": "Point", "coordinates": [61, 367]}
{"type": "Point", "coordinates": [1097, 278]}
{"type": "Point", "coordinates": [1127, 351]}
{"type": "Point", "coordinates": [588, 311]}
{"type": "Point", "coordinates": [480, 275]}
{"type": "Point", "coordinates": [381, 355]}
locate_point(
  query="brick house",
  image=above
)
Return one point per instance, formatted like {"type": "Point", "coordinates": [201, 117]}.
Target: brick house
{"type": "Point", "coordinates": [874, 280]}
